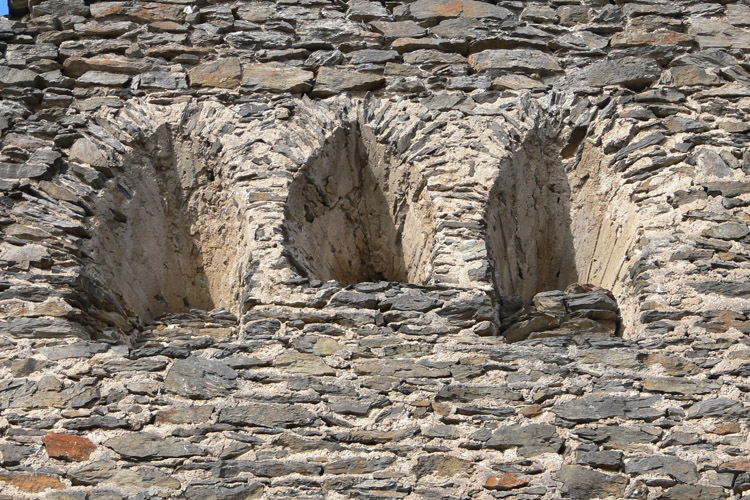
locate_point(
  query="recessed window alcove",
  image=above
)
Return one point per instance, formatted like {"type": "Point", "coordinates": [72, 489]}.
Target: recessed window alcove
{"type": "Point", "coordinates": [552, 221]}
{"type": "Point", "coordinates": [350, 215]}
{"type": "Point", "coordinates": [165, 234]}
{"type": "Point", "coordinates": [529, 236]}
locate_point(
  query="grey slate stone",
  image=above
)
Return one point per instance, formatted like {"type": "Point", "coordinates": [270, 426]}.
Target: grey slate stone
{"type": "Point", "coordinates": [694, 492]}
{"type": "Point", "coordinates": [502, 60]}
{"type": "Point", "coordinates": [590, 300]}
{"type": "Point", "coordinates": [224, 492]}
{"type": "Point", "coordinates": [591, 408]}
{"type": "Point", "coordinates": [146, 446]}
{"type": "Point", "coordinates": [162, 80]}
{"type": "Point", "coordinates": [268, 468]}
{"type": "Point", "coordinates": [331, 81]}
{"type": "Point", "coordinates": [681, 470]}
{"type": "Point", "coordinates": [630, 71]}
{"type": "Point", "coordinates": [61, 7]}
{"type": "Point", "coordinates": [23, 170]}
{"type": "Point", "coordinates": [727, 231]}
{"type": "Point", "coordinates": [10, 77]}
{"type": "Point", "coordinates": [200, 378]}
{"type": "Point", "coordinates": [582, 483]}
{"type": "Point", "coordinates": [410, 302]}
{"type": "Point", "coordinates": [75, 350]}
{"type": "Point", "coordinates": [718, 407]}
{"type": "Point", "coordinates": [531, 440]}
{"type": "Point", "coordinates": [354, 299]}
{"type": "Point", "coordinates": [103, 78]}
{"type": "Point", "coordinates": [98, 472]}
{"type": "Point", "coordinates": [267, 415]}
{"type": "Point", "coordinates": [607, 459]}
{"type": "Point", "coordinates": [261, 327]}
{"type": "Point", "coordinates": [467, 393]}
{"type": "Point", "coordinates": [727, 288]}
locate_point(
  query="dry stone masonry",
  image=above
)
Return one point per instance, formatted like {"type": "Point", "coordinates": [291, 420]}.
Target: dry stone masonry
{"type": "Point", "coordinates": [431, 249]}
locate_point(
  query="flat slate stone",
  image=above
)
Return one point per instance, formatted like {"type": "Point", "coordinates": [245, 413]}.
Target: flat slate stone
{"type": "Point", "coordinates": [718, 407]}
{"type": "Point", "coordinates": [354, 299]}
{"type": "Point", "coordinates": [11, 77]}
{"type": "Point", "coordinates": [601, 406]}
{"type": "Point", "coordinates": [410, 302]}
{"type": "Point", "coordinates": [269, 468]}
{"type": "Point", "coordinates": [682, 470]}
{"type": "Point", "coordinates": [631, 72]}
{"type": "Point", "coordinates": [105, 472]}
{"type": "Point", "coordinates": [331, 81]}
{"type": "Point", "coordinates": [162, 80]}
{"type": "Point", "coordinates": [200, 378]}
{"type": "Point", "coordinates": [298, 363]}
{"type": "Point", "coordinates": [224, 73]}
{"type": "Point", "coordinates": [75, 350]}
{"type": "Point", "coordinates": [498, 60]}
{"type": "Point", "coordinates": [427, 10]}
{"type": "Point", "coordinates": [146, 446]}
{"type": "Point", "coordinates": [398, 29]}
{"type": "Point", "coordinates": [440, 464]}
{"type": "Point", "coordinates": [727, 231]}
{"type": "Point", "coordinates": [224, 491]}
{"type": "Point", "coordinates": [363, 10]}
{"type": "Point", "coordinates": [267, 415]}
{"type": "Point", "coordinates": [710, 33]}
{"type": "Point", "coordinates": [694, 492]}
{"type": "Point", "coordinates": [103, 78]}
{"type": "Point", "coordinates": [22, 170]}
{"type": "Point", "coordinates": [727, 288]}
{"type": "Point", "coordinates": [277, 77]}
{"type": "Point", "coordinates": [76, 66]}
{"type": "Point", "coordinates": [531, 440]}
{"type": "Point", "coordinates": [583, 483]}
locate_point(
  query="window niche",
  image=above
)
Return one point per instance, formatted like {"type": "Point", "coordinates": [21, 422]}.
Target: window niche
{"type": "Point", "coordinates": [156, 245]}
{"type": "Point", "coordinates": [349, 215]}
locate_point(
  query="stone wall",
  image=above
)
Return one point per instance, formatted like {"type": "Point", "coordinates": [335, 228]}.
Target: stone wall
{"type": "Point", "coordinates": [430, 249]}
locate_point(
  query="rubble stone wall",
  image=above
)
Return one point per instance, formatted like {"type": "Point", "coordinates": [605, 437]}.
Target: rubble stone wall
{"type": "Point", "coordinates": [322, 249]}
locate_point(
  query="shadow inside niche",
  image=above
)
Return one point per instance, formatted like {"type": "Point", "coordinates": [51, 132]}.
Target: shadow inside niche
{"type": "Point", "coordinates": [143, 251]}
{"type": "Point", "coordinates": [338, 224]}
{"type": "Point", "coordinates": [529, 237]}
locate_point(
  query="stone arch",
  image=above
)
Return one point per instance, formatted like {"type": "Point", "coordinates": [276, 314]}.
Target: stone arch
{"type": "Point", "coordinates": [353, 213]}
{"type": "Point", "coordinates": [166, 227]}
{"type": "Point", "coordinates": [554, 216]}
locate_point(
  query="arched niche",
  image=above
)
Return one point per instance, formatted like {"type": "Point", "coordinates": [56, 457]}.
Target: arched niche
{"type": "Point", "coordinates": [353, 214]}
{"type": "Point", "coordinates": [529, 238]}
{"type": "Point", "coordinates": [166, 233]}
{"type": "Point", "coordinates": [552, 221]}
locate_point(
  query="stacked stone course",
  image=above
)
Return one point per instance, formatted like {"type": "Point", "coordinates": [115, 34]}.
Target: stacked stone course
{"type": "Point", "coordinates": [432, 249]}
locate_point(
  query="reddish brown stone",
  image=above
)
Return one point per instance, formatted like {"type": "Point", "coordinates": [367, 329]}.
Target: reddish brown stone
{"type": "Point", "coordinates": [727, 428]}
{"type": "Point", "coordinates": [31, 483]}
{"type": "Point", "coordinates": [68, 447]}
{"type": "Point", "coordinates": [650, 38]}
{"type": "Point", "coordinates": [224, 73]}
{"type": "Point", "coordinates": [505, 481]}
{"type": "Point", "coordinates": [277, 77]}
{"type": "Point", "coordinates": [531, 410]}
{"type": "Point", "coordinates": [735, 466]}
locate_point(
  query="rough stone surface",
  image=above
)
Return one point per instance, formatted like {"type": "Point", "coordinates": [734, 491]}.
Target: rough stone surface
{"type": "Point", "coordinates": [68, 447]}
{"type": "Point", "coordinates": [413, 249]}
